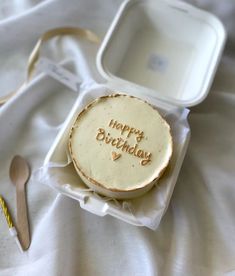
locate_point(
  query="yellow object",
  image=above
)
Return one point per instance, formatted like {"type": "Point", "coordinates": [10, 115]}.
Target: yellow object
{"type": "Point", "coordinates": [33, 58]}
{"type": "Point", "coordinates": [12, 229]}
{"type": "Point", "coordinates": [6, 212]}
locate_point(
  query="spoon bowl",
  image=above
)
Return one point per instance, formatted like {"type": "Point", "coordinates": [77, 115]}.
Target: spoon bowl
{"type": "Point", "coordinates": [19, 171]}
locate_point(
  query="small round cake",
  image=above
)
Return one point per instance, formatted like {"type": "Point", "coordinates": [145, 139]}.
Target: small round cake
{"type": "Point", "coordinates": [120, 145]}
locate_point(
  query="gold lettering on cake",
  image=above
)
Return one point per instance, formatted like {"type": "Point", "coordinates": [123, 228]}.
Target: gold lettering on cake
{"type": "Point", "coordinates": [147, 158]}
{"type": "Point", "coordinates": [108, 139]}
{"type": "Point", "coordinates": [114, 142]}
{"type": "Point", "coordinates": [115, 155]}
{"type": "Point", "coordinates": [132, 150]}
{"type": "Point", "coordinates": [123, 145]}
{"type": "Point", "coordinates": [120, 140]}
{"type": "Point", "coordinates": [100, 135]}
{"type": "Point", "coordinates": [140, 136]}
{"type": "Point", "coordinates": [127, 130]}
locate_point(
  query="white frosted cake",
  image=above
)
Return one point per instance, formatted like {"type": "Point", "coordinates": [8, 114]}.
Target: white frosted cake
{"type": "Point", "coordinates": [120, 145]}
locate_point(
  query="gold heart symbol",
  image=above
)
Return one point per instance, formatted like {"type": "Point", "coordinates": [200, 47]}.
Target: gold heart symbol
{"type": "Point", "coordinates": [115, 155]}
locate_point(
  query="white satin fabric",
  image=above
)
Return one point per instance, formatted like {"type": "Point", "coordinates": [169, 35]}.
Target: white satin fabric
{"type": "Point", "coordinates": [196, 235]}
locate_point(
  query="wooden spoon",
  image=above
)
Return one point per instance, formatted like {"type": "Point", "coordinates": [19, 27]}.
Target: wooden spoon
{"type": "Point", "coordinates": [19, 174]}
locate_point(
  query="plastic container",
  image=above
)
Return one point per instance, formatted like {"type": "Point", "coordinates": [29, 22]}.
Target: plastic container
{"type": "Point", "coordinates": [165, 52]}
{"type": "Point", "coordinates": [167, 49]}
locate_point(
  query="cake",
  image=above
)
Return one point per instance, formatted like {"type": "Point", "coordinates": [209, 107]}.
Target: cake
{"type": "Point", "coordinates": [120, 146]}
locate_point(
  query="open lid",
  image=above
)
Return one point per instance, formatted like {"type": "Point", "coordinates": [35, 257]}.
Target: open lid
{"type": "Point", "coordinates": [167, 49]}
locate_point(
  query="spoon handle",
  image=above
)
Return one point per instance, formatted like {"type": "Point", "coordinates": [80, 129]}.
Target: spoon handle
{"type": "Point", "coordinates": [22, 217]}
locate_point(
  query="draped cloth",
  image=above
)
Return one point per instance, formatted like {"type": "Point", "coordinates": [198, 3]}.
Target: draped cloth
{"type": "Point", "coordinates": [196, 235]}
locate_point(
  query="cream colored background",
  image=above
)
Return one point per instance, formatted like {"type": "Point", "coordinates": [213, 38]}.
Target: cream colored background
{"type": "Point", "coordinates": [196, 236]}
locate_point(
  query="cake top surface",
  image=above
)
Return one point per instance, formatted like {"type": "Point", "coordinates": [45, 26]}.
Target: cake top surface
{"type": "Point", "coordinates": [120, 143]}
